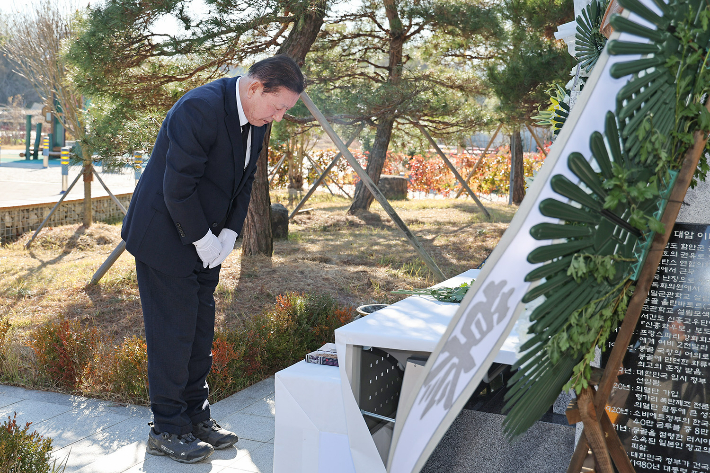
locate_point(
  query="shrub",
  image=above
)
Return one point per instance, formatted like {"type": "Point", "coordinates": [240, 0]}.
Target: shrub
{"type": "Point", "coordinates": [22, 451]}
{"type": "Point", "coordinates": [223, 378]}
{"type": "Point", "coordinates": [4, 330]}
{"type": "Point", "coordinates": [298, 324]}
{"type": "Point", "coordinates": [129, 376]}
{"type": "Point", "coordinates": [63, 349]}
{"type": "Point", "coordinates": [118, 371]}
{"type": "Point", "coordinates": [426, 172]}
{"type": "Point", "coordinates": [81, 359]}
{"type": "Point", "coordinates": [277, 338]}
{"type": "Point", "coordinates": [429, 173]}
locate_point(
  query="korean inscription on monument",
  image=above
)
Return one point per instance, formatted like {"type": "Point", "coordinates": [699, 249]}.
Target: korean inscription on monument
{"type": "Point", "coordinates": [660, 404]}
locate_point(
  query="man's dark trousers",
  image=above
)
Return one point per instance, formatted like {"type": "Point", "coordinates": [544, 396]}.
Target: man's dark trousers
{"type": "Point", "coordinates": [179, 315]}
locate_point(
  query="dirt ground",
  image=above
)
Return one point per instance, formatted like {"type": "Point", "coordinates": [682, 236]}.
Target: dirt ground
{"type": "Point", "coordinates": [357, 259]}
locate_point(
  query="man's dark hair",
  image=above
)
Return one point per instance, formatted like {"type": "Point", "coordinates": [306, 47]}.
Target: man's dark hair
{"type": "Point", "coordinates": [276, 72]}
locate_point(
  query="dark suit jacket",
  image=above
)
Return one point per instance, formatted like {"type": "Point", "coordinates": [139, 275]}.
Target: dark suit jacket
{"type": "Point", "coordinates": [194, 181]}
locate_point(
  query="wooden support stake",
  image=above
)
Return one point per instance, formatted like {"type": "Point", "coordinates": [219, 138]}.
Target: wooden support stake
{"type": "Point", "coordinates": [480, 160]}
{"type": "Point", "coordinates": [27, 245]}
{"type": "Point", "coordinates": [537, 140]}
{"type": "Point", "coordinates": [453, 169]}
{"type": "Point", "coordinates": [121, 246]}
{"type": "Point", "coordinates": [115, 199]}
{"type": "Point", "coordinates": [321, 172]}
{"type": "Point", "coordinates": [371, 186]}
{"type": "Point", "coordinates": [325, 172]}
{"type": "Point", "coordinates": [615, 447]}
{"type": "Point", "coordinates": [579, 455]}
{"type": "Point", "coordinates": [593, 431]}
{"type": "Point", "coordinates": [315, 166]}
{"type": "Point", "coordinates": [118, 251]}
{"type": "Point", "coordinates": [276, 169]}
{"type": "Point", "coordinates": [572, 412]}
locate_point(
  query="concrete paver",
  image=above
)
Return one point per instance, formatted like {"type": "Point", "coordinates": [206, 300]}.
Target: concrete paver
{"type": "Point", "coordinates": [265, 407]}
{"type": "Point", "coordinates": [7, 400]}
{"type": "Point", "coordinates": [96, 444]}
{"type": "Point", "coordinates": [250, 427]}
{"type": "Point", "coordinates": [55, 428]}
{"type": "Point", "coordinates": [32, 411]}
{"type": "Point", "coordinates": [242, 399]}
{"type": "Point", "coordinates": [93, 436]}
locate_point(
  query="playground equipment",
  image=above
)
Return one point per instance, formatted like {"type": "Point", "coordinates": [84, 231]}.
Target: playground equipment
{"type": "Point", "coordinates": [57, 133]}
{"type": "Point", "coordinates": [34, 152]}
{"type": "Point", "coordinates": [52, 142]}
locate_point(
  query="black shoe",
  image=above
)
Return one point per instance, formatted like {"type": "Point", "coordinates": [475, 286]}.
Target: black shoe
{"type": "Point", "coordinates": [183, 448]}
{"type": "Point", "coordinates": [209, 431]}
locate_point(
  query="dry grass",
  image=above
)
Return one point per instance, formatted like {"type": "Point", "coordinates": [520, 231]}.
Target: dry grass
{"type": "Point", "coordinates": [356, 259]}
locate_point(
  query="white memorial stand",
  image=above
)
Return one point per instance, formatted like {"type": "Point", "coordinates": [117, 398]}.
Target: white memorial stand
{"type": "Point", "coordinates": [319, 426]}
{"type": "Point", "coordinates": [310, 423]}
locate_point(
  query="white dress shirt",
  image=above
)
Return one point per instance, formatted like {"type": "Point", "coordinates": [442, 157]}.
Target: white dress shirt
{"type": "Point", "coordinates": [243, 121]}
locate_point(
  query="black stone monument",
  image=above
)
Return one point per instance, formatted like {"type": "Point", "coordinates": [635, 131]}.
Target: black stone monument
{"type": "Point", "coordinates": [660, 404]}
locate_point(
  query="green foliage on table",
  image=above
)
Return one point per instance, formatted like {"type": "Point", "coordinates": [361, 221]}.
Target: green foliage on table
{"type": "Point", "coordinates": [605, 235]}
{"type": "Point", "coordinates": [442, 294]}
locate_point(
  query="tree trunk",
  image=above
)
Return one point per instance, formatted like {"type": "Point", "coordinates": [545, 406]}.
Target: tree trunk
{"type": "Point", "coordinates": [257, 226]}
{"type": "Point", "coordinates": [516, 147]}
{"type": "Point", "coordinates": [305, 30]}
{"type": "Point", "coordinates": [363, 198]}
{"type": "Point", "coordinates": [88, 177]}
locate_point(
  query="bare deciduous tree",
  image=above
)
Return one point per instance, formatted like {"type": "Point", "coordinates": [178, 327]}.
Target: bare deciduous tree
{"type": "Point", "coordinates": [38, 38]}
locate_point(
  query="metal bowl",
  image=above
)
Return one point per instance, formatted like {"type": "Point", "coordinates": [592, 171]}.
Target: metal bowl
{"type": "Point", "coordinates": [369, 308]}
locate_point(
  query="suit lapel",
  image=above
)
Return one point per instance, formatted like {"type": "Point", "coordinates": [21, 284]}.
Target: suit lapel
{"type": "Point", "coordinates": [234, 129]}
{"type": "Point", "coordinates": [235, 136]}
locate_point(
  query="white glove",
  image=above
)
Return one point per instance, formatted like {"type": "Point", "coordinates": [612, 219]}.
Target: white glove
{"type": "Point", "coordinates": [208, 248]}
{"type": "Point", "coordinates": [227, 238]}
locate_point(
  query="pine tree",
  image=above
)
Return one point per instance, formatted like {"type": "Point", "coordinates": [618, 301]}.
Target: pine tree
{"type": "Point", "coordinates": [139, 73]}
{"type": "Point", "coordinates": [528, 62]}
{"type": "Point", "coordinates": [258, 238]}
{"type": "Point", "coordinates": [374, 65]}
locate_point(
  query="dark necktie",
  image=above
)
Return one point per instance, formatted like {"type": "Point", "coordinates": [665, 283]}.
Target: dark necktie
{"type": "Point", "coordinates": [245, 136]}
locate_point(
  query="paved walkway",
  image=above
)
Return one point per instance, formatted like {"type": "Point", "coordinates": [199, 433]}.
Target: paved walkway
{"type": "Point", "coordinates": [105, 437]}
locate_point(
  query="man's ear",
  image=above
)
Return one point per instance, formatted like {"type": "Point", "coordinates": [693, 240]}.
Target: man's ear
{"type": "Point", "coordinates": [254, 87]}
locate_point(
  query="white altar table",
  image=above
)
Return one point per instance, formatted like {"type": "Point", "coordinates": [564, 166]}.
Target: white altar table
{"type": "Point", "coordinates": [319, 424]}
